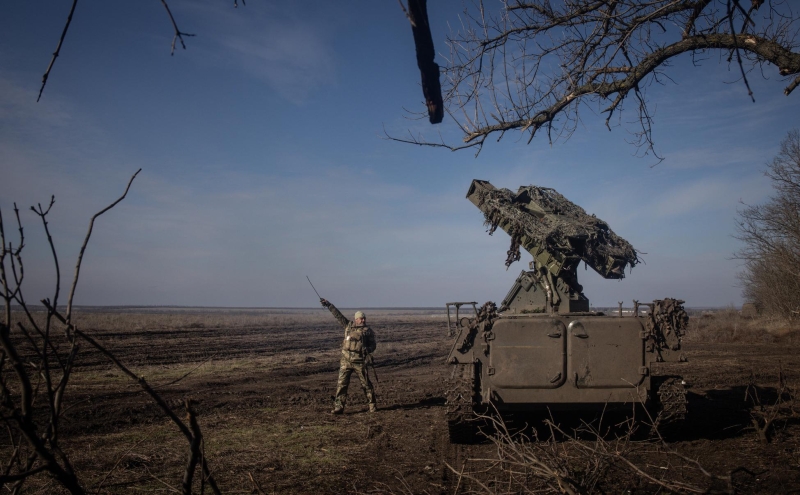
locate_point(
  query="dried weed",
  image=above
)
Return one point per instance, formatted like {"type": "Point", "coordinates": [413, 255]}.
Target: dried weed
{"type": "Point", "coordinates": [728, 326]}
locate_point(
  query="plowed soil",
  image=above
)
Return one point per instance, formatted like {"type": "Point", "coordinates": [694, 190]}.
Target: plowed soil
{"type": "Point", "coordinates": [263, 382]}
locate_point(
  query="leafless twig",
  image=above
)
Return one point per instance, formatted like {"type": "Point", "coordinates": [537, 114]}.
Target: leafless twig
{"type": "Point", "coordinates": [585, 461]}
{"type": "Point", "coordinates": [32, 366]}
{"type": "Point", "coordinates": [114, 467]}
{"type": "Point", "coordinates": [86, 242]}
{"type": "Point", "coordinates": [532, 65]}
{"type": "Point", "coordinates": [770, 234]}
{"type": "Point", "coordinates": [256, 486]}
{"type": "Point", "coordinates": [178, 36]}
{"type": "Point", "coordinates": [765, 415]}
{"type": "Point", "coordinates": [58, 48]}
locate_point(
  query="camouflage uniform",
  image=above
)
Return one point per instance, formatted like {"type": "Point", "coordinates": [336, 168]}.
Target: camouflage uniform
{"type": "Point", "coordinates": [358, 343]}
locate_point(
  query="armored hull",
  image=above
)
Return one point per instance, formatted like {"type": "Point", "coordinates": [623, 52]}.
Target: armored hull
{"type": "Point", "coordinates": [560, 361]}
{"type": "Point", "coordinates": [572, 362]}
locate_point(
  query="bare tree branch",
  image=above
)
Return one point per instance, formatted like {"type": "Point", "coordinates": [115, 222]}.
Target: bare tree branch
{"type": "Point", "coordinates": [178, 36]}
{"type": "Point", "coordinates": [187, 432]}
{"type": "Point", "coordinates": [532, 65]}
{"type": "Point", "coordinates": [32, 365]}
{"type": "Point", "coordinates": [791, 86]}
{"type": "Point", "coordinates": [58, 48]}
{"type": "Point", "coordinates": [194, 448]}
{"type": "Point", "coordinates": [100, 485]}
{"type": "Point", "coordinates": [770, 234]}
{"type": "Point", "coordinates": [578, 462]}
{"type": "Point", "coordinates": [417, 14]}
{"type": "Point", "coordinates": [787, 61]}
{"type": "Point", "coordinates": [86, 241]}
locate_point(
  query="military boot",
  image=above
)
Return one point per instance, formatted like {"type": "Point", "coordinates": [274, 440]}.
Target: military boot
{"type": "Point", "coordinates": [338, 406]}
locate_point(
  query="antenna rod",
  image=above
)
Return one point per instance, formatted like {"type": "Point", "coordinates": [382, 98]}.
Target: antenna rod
{"type": "Point", "coordinates": [312, 286]}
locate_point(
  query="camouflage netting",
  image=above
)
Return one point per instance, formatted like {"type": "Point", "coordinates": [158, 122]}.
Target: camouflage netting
{"type": "Point", "coordinates": [558, 225]}
{"type": "Point", "coordinates": [667, 321]}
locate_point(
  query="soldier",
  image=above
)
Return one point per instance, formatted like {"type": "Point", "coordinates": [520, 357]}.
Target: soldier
{"type": "Point", "coordinates": [358, 344]}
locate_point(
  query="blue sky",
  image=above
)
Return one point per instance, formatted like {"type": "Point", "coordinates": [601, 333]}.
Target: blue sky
{"type": "Point", "coordinates": [264, 161]}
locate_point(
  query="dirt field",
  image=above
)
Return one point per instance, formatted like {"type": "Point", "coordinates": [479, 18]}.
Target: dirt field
{"type": "Point", "coordinates": [264, 380]}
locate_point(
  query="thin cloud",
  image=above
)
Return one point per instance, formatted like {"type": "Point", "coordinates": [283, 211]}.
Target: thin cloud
{"type": "Point", "coordinates": [293, 60]}
{"type": "Point", "coordinates": [18, 106]}
{"type": "Point", "coordinates": [716, 157]}
{"type": "Point", "coordinates": [289, 50]}
{"type": "Point", "coordinates": [709, 194]}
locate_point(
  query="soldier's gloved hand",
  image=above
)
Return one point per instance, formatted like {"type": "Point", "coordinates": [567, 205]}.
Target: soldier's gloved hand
{"type": "Point", "coordinates": [324, 302]}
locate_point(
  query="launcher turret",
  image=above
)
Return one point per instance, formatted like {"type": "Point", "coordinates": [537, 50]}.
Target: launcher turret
{"type": "Point", "coordinates": [559, 235]}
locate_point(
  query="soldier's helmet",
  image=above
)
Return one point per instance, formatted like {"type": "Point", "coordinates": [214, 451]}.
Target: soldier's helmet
{"type": "Point", "coordinates": [359, 314]}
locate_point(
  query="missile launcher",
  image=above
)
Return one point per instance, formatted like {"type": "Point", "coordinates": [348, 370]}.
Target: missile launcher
{"type": "Point", "coordinates": [543, 349]}
{"type": "Point", "coordinates": [559, 235]}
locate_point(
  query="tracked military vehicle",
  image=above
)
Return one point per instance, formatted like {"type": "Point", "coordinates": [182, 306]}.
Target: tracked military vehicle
{"type": "Point", "coordinates": [543, 348]}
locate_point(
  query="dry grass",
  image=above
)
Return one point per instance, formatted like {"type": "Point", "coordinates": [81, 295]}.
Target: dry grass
{"type": "Point", "coordinates": [589, 459]}
{"type": "Point", "coordinates": [728, 326]}
{"type": "Point", "coordinates": [140, 319]}
{"type": "Point", "coordinates": [148, 456]}
{"type": "Point", "coordinates": [263, 381]}
{"type": "Point", "coordinates": [144, 319]}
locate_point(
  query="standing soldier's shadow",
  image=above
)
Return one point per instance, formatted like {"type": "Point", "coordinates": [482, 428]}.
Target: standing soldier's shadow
{"type": "Point", "coordinates": [424, 403]}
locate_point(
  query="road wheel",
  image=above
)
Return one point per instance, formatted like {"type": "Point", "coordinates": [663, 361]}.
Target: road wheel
{"type": "Point", "coordinates": [462, 397]}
